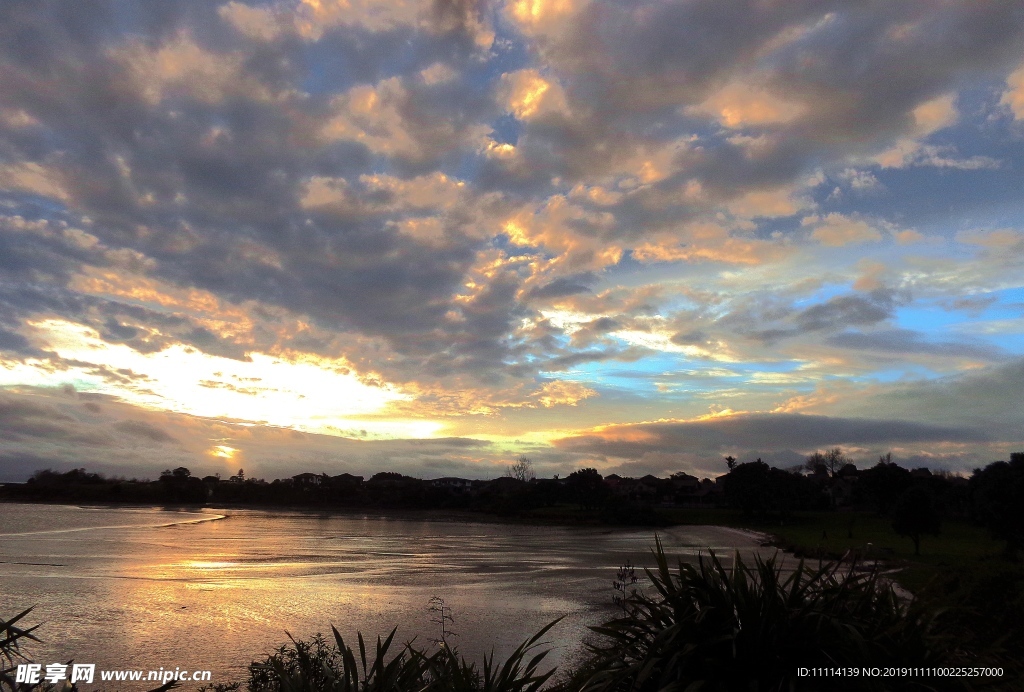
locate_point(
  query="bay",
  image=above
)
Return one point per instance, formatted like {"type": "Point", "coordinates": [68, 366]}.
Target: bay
{"type": "Point", "coordinates": [212, 589]}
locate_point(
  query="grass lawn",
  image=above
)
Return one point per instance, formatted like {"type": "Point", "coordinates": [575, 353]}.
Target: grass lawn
{"type": "Point", "coordinates": [831, 534]}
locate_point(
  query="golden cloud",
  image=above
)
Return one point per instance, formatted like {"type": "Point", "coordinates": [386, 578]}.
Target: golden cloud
{"type": "Point", "coordinates": [742, 104]}
{"type": "Point", "coordinates": [259, 23]}
{"type": "Point", "coordinates": [929, 117]}
{"type": "Point", "coordinates": [375, 116]}
{"type": "Point", "coordinates": [1013, 97]}
{"type": "Point", "coordinates": [33, 178]}
{"type": "Point", "coordinates": [180, 65]}
{"type": "Point", "coordinates": [837, 230]}
{"type": "Point", "coordinates": [542, 16]}
{"type": "Point", "coordinates": [562, 393]}
{"type": "Point", "coordinates": [313, 17]}
{"type": "Point", "coordinates": [528, 95]}
{"type": "Point", "coordinates": [783, 201]}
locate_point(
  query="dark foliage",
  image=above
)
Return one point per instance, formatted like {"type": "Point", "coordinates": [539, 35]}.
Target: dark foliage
{"type": "Point", "coordinates": [586, 488]}
{"type": "Point", "coordinates": [751, 627]}
{"type": "Point", "coordinates": [762, 491]}
{"type": "Point", "coordinates": [916, 514]}
{"type": "Point", "coordinates": [319, 666]}
{"type": "Point", "coordinates": [997, 500]}
{"type": "Point", "coordinates": [984, 605]}
{"type": "Point", "coordinates": [881, 486]}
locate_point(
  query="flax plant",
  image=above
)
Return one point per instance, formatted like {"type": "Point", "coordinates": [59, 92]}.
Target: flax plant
{"type": "Point", "coordinates": [751, 628]}
{"type": "Point", "coordinates": [319, 667]}
{"type": "Point", "coordinates": [11, 637]}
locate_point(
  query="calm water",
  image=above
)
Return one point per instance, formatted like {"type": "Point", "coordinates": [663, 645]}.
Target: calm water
{"type": "Point", "coordinates": [213, 589]}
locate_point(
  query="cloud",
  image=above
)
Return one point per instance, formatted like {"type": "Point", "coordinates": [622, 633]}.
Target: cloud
{"type": "Point", "coordinates": [389, 119]}
{"type": "Point", "coordinates": [905, 341]}
{"type": "Point", "coordinates": [144, 430]}
{"type": "Point", "coordinates": [459, 199]}
{"type": "Point", "coordinates": [836, 230]}
{"type": "Point", "coordinates": [770, 431]}
{"type": "Point", "coordinates": [980, 400]}
{"type": "Point", "coordinates": [741, 104]}
{"type": "Point", "coordinates": [255, 22]}
{"type": "Point", "coordinates": [32, 177]}
{"type": "Point", "coordinates": [843, 311]}
{"type": "Point", "coordinates": [23, 419]}
{"type": "Point", "coordinates": [182, 67]}
{"type": "Point", "coordinates": [909, 153]}
{"type": "Point", "coordinates": [1013, 97]}
{"type": "Point", "coordinates": [562, 286]}
{"type": "Point", "coordinates": [563, 393]}
{"type": "Point", "coordinates": [528, 95]}
{"type": "Point", "coordinates": [45, 429]}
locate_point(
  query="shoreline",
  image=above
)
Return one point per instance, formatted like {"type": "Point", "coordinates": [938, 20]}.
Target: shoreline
{"type": "Point", "coordinates": [438, 515]}
{"type": "Point", "coordinates": [762, 538]}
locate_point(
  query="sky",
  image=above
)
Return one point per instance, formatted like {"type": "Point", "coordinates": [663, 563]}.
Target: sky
{"type": "Point", "coordinates": [432, 236]}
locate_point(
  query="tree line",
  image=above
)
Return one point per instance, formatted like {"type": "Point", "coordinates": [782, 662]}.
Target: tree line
{"type": "Point", "coordinates": [916, 500]}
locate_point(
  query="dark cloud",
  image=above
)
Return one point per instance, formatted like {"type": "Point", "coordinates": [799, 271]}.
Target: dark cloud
{"type": "Point", "coordinates": [563, 286]}
{"type": "Point", "coordinates": [114, 331]}
{"type": "Point", "coordinates": [778, 431]}
{"type": "Point", "coordinates": [905, 341]}
{"type": "Point", "coordinates": [23, 421]}
{"type": "Point", "coordinates": [986, 400]}
{"type": "Point", "coordinates": [689, 338]}
{"type": "Point", "coordinates": [12, 341]}
{"type": "Point", "coordinates": [844, 311]}
{"type": "Point", "coordinates": [145, 430]}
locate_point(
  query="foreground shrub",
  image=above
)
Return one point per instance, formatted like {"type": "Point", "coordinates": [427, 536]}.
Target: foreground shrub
{"type": "Point", "coordinates": [317, 666]}
{"type": "Point", "coordinates": [984, 604]}
{"type": "Point", "coordinates": [753, 627]}
{"type": "Point", "coordinates": [11, 638]}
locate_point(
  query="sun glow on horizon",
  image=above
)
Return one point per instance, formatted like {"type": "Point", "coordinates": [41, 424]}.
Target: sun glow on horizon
{"type": "Point", "coordinates": [301, 391]}
{"type": "Point", "coordinates": [224, 452]}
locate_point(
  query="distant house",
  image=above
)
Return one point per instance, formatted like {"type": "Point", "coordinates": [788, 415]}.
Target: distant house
{"type": "Point", "coordinates": [452, 483]}
{"type": "Point", "coordinates": [638, 489]}
{"type": "Point", "coordinates": [651, 486]}
{"type": "Point", "coordinates": [307, 480]}
{"type": "Point", "coordinates": [685, 483]}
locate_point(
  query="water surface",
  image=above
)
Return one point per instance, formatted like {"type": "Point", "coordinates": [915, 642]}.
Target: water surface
{"type": "Point", "coordinates": [212, 589]}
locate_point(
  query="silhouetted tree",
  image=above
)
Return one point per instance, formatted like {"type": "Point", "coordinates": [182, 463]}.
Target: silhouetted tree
{"type": "Point", "coordinates": [730, 461]}
{"type": "Point", "coordinates": [997, 499]}
{"type": "Point", "coordinates": [587, 488]}
{"type": "Point", "coordinates": [883, 484]}
{"type": "Point", "coordinates": [747, 487]}
{"type": "Point", "coordinates": [521, 470]}
{"type": "Point", "coordinates": [915, 515]}
{"type": "Point", "coordinates": [760, 490]}
{"type": "Point", "coordinates": [832, 459]}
